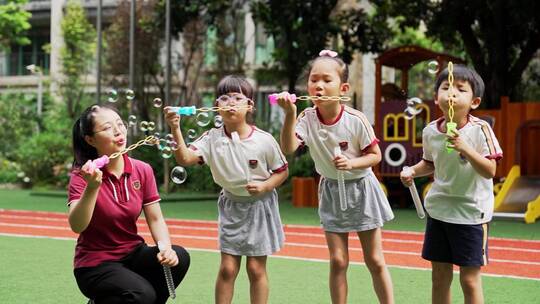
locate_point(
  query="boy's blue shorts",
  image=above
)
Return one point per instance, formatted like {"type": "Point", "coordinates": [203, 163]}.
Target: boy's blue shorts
{"type": "Point", "coordinates": [462, 245]}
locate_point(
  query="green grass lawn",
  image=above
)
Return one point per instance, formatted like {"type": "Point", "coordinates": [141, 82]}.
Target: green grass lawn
{"type": "Point", "coordinates": [37, 270]}
{"type": "Point", "coordinates": [40, 271]}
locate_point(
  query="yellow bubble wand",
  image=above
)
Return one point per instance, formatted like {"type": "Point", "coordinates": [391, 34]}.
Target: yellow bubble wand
{"type": "Point", "coordinates": [451, 126]}
{"type": "Point", "coordinates": [104, 160]}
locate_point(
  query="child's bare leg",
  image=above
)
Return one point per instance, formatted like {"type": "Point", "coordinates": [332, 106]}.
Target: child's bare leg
{"type": "Point", "coordinates": [374, 259]}
{"type": "Point", "coordinates": [441, 280]}
{"type": "Point", "coordinates": [338, 245]}
{"type": "Point", "coordinates": [258, 279]}
{"type": "Point", "coordinates": [471, 283]}
{"type": "Point", "coordinates": [228, 270]}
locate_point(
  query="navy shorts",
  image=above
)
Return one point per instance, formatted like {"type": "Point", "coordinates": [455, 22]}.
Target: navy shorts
{"type": "Point", "coordinates": [462, 245]}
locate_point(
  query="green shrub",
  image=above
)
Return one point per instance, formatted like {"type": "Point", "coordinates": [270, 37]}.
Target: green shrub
{"type": "Point", "coordinates": [43, 156]}
{"type": "Point", "coordinates": [302, 165]}
{"type": "Point", "coordinates": [10, 172]}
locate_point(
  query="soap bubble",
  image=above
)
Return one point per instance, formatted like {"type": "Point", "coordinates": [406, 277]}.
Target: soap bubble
{"type": "Point", "coordinates": [158, 102]}
{"type": "Point", "coordinates": [203, 119]}
{"type": "Point", "coordinates": [113, 96]}
{"type": "Point", "coordinates": [178, 175]}
{"type": "Point", "coordinates": [130, 94]}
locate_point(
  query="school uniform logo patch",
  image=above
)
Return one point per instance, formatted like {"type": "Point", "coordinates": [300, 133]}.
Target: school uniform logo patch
{"type": "Point", "coordinates": [344, 145]}
{"type": "Point", "coordinates": [253, 163]}
{"type": "Point", "coordinates": [136, 185]}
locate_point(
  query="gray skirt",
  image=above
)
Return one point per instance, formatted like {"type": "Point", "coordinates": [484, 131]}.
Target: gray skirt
{"type": "Point", "coordinates": [250, 226]}
{"type": "Point", "coordinates": [367, 206]}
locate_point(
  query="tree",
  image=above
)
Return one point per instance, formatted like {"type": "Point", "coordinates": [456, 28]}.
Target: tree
{"type": "Point", "coordinates": [13, 23]}
{"type": "Point", "coordinates": [76, 55]}
{"type": "Point", "coordinates": [500, 37]}
{"type": "Point", "coordinates": [148, 43]}
{"type": "Point", "coordinates": [300, 30]}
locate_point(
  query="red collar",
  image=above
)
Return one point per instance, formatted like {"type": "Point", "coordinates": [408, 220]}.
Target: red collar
{"type": "Point", "coordinates": [128, 168]}
{"type": "Point", "coordinates": [335, 120]}
{"type": "Point", "coordinates": [229, 135]}
{"type": "Point", "coordinates": [440, 122]}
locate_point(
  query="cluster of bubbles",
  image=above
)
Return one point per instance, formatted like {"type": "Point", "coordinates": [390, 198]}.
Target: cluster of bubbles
{"type": "Point", "coordinates": [23, 177]}
{"type": "Point", "coordinates": [113, 95]}
{"type": "Point", "coordinates": [147, 126]}
{"type": "Point", "coordinates": [166, 145]}
{"type": "Point", "coordinates": [412, 109]}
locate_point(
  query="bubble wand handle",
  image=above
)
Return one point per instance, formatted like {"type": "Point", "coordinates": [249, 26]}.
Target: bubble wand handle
{"type": "Point", "coordinates": [341, 183]}
{"type": "Point", "coordinates": [168, 274]}
{"type": "Point", "coordinates": [415, 196]}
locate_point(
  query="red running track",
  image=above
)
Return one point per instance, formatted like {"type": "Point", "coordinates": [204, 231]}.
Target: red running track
{"type": "Point", "coordinates": [507, 257]}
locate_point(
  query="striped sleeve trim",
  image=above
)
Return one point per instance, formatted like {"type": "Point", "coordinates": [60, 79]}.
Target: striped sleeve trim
{"type": "Point", "coordinates": [496, 157]}
{"type": "Point", "coordinates": [488, 134]}
{"type": "Point", "coordinates": [302, 142]}
{"type": "Point", "coordinates": [365, 122]}
{"type": "Point", "coordinates": [152, 200]}
{"type": "Point", "coordinates": [281, 169]}
{"type": "Point", "coordinates": [373, 143]}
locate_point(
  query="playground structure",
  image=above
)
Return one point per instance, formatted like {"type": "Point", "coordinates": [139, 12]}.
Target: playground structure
{"type": "Point", "coordinates": [401, 138]}
{"type": "Point", "coordinates": [519, 196]}
{"type": "Point", "coordinates": [515, 124]}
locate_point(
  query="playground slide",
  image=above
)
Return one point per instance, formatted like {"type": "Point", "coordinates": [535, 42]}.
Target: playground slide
{"type": "Point", "coordinates": [519, 197]}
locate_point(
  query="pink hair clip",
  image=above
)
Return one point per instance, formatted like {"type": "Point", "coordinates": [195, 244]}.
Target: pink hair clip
{"type": "Point", "coordinates": [329, 53]}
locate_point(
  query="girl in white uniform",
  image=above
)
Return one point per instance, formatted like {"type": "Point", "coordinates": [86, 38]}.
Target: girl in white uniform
{"type": "Point", "coordinates": [247, 162]}
{"type": "Point", "coordinates": [331, 127]}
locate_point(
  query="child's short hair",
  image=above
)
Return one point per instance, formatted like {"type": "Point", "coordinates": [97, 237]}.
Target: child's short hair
{"type": "Point", "coordinates": [463, 73]}
{"type": "Point", "coordinates": [344, 69]}
{"type": "Point", "coordinates": [235, 84]}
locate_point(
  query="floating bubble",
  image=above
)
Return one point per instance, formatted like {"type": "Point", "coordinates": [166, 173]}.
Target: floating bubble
{"type": "Point", "coordinates": [113, 96]}
{"type": "Point", "coordinates": [132, 120]}
{"type": "Point", "coordinates": [158, 102]}
{"type": "Point", "coordinates": [433, 67]}
{"type": "Point", "coordinates": [323, 134]}
{"type": "Point", "coordinates": [26, 179]}
{"type": "Point", "coordinates": [143, 126]}
{"type": "Point", "coordinates": [173, 145]}
{"type": "Point", "coordinates": [166, 152]}
{"type": "Point", "coordinates": [162, 144]}
{"type": "Point", "coordinates": [151, 126]}
{"type": "Point", "coordinates": [413, 102]}
{"type": "Point", "coordinates": [130, 94]}
{"type": "Point", "coordinates": [191, 134]}
{"type": "Point", "coordinates": [409, 114]}
{"type": "Point", "coordinates": [20, 174]}
{"type": "Point", "coordinates": [218, 121]}
{"type": "Point", "coordinates": [169, 137]}
{"type": "Point", "coordinates": [178, 175]}
{"type": "Point", "coordinates": [203, 119]}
